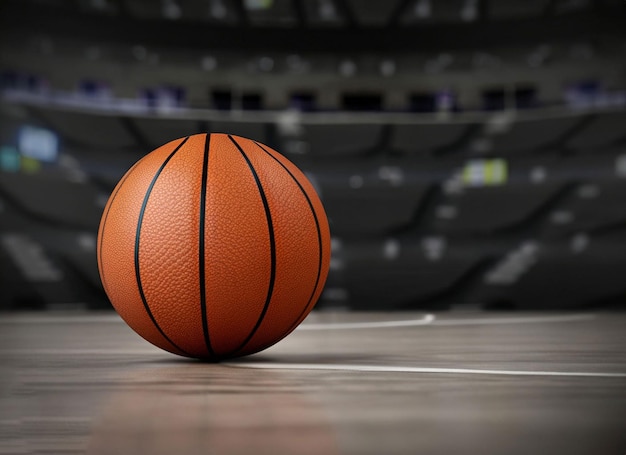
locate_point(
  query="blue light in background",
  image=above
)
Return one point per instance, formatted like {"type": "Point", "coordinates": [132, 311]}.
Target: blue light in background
{"type": "Point", "coordinates": [38, 143]}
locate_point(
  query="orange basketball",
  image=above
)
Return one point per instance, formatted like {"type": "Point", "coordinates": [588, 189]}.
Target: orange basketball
{"type": "Point", "coordinates": [213, 246]}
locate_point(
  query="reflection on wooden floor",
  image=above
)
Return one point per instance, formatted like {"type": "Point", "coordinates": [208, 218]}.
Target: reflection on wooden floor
{"type": "Point", "coordinates": [341, 384]}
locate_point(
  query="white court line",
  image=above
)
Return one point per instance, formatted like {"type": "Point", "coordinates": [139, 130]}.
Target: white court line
{"type": "Point", "coordinates": [514, 320]}
{"type": "Point", "coordinates": [401, 369]}
{"type": "Point", "coordinates": [430, 319]}
{"type": "Point", "coordinates": [427, 319]}
{"type": "Point", "coordinates": [320, 366]}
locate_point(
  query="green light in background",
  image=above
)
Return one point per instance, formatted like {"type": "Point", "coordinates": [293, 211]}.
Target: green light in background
{"type": "Point", "coordinates": [9, 159]}
{"type": "Point", "coordinates": [490, 172]}
{"type": "Point", "coordinates": [30, 165]}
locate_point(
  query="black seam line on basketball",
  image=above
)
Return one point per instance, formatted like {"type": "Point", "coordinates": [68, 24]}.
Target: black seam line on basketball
{"type": "Point", "coordinates": [137, 237]}
{"type": "Point", "coordinates": [319, 235]}
{"type": "Point", "coordinates": [270, 227]}
{"type": "Point", "coordinates": [104, 221]}
{"type": "Point", "coordinates": [201, 247]}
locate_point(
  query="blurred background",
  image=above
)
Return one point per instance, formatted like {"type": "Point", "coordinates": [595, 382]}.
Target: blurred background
{"type": "Point", "coordinates": [469, 153]}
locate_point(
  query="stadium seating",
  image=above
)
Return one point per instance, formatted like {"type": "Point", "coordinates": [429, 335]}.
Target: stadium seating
{"type": "Point", "coordinates": [514, 9]}
{"type": "Point", "coordinates": [93, 130]}
{"type": "Point", "coordinates": [53, 199]}
{"type": "Point", "coordinates": [372, 209]}
{"type": "Point", "coordinates": [335, 141]}
{"type": "Point", "coordinates": [16, 292]}
{"type": "Point", "coordinates": [604, 130]}
{"type": "Point", "coordinates": [533, 136]}
{"type": "Point", "coordinates": [427, 138]}
{"type": "Point", "coordinates": [157, 131]}
{"type": "Point", "coordinates": [559, 276]}
{"type": "Point", "coordinates": [409, 273]}
{"type": "Point", "coordinates": [591, 206]}
{"type": "Point", "coordinates": [491, 209]}
{"type": "Point", "coordinates": [46, 265]}
{"type": "Point", "coordinates": [106, 167]}
{"type": "Point", "coordinates": [83, 264]}
{"type": "Point", "coordinates": [450, 11]}
{"type": "Point", "coordinates": [256, 131]}
{"type": "Point", "coordinates": [372, 13]}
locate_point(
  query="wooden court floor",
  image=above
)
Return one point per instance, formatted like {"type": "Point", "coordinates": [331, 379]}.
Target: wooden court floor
{"type": "Point", "coordinates": [343, 383]}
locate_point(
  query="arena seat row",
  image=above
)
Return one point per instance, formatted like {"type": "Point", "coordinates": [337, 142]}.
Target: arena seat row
{"type": "Point", "coordinates": [364, 13]}
{"type": "Point", "coordinates": [44, 264]}
{"type": "Point", "coordinates": [573, 273]}
{"type": "Point", "coordinates": [95, 130]}
{"type": "Point", "coordinates": [54, 200]}
{"type": "Point", "coordinates": [370, 203]}
{"type": "Point", "coordinates": [552, 209]}
{"type": "Point", "coordinates": [314, 141]}
{"type": "Point", "coordinates": [434, 272]}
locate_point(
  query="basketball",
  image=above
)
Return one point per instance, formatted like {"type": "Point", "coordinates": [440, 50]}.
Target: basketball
{"type": "Point", "coordinates": [213, 246]}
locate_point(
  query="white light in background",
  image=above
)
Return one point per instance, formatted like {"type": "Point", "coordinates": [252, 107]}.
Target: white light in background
{"type": "Point", "coordinates": [326, 10]}
{"type": "Point", "coordinates": [347, 68]}
{"type": "Point", "coordinates": [446, 212]}
{"type": "Point", "coordinates": [423, 9]}
{"type": "Point", "coordinates": [356, 181]}
{"type": "Point", "coordinates": [469, 10]}
{"type": "Point", "coordinates": [394, 175]}
{"type": "Point", "coordinates": [500, 122]}
{"type": "Point", "coordinates": [296, 64]}
{"type": "Point", "coordinates": [434, 247]}
{"type": "Point", "coordinates": [538, 174]}
{"type": "Point", "coordinates": [140, 52]}
{"type": "Point", "coordinates": [439, 63]}
{"type": "Point", "coordinates": [208, 63]}
{"type": "Point", "coordinates": [579, 243]}
{"type": "Point", "coordinates": [539, 56]}
{"type": "Point", "coordinates": [391, 249]}
{"type": "Point", "coordinates": [266, 64]}
{"type": "Point", "coordinates": [101, 200]}
{"type": "Point", "coordinates": [336, 260]}
{"type": "Point", "coordinates": [86, 242]}
{"type": "Point", "coordinates": [171, 9]}
{"type": "Point", "coordinates": [561, 217]}
{"type": "Point", "coordinates": [289, 123]}
{"type": "Point", "coordinates": [589, 191]}
{"type": "Point", "coordinates": [217, 9]}
{"type": "Point", "coordinates": [100, 5]}
{"type": "Point", "coordinates": [387, 67]}
{"type": "Point", "coordinates": [620, 166]}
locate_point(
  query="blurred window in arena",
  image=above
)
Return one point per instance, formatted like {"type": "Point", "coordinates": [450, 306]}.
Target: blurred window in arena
{"type": "Point", "coordinates": [303, 101]}
{"type": "Point", "coordinates": [362, 101]}
{"type": "Point", "coordinates": [222, 99]}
